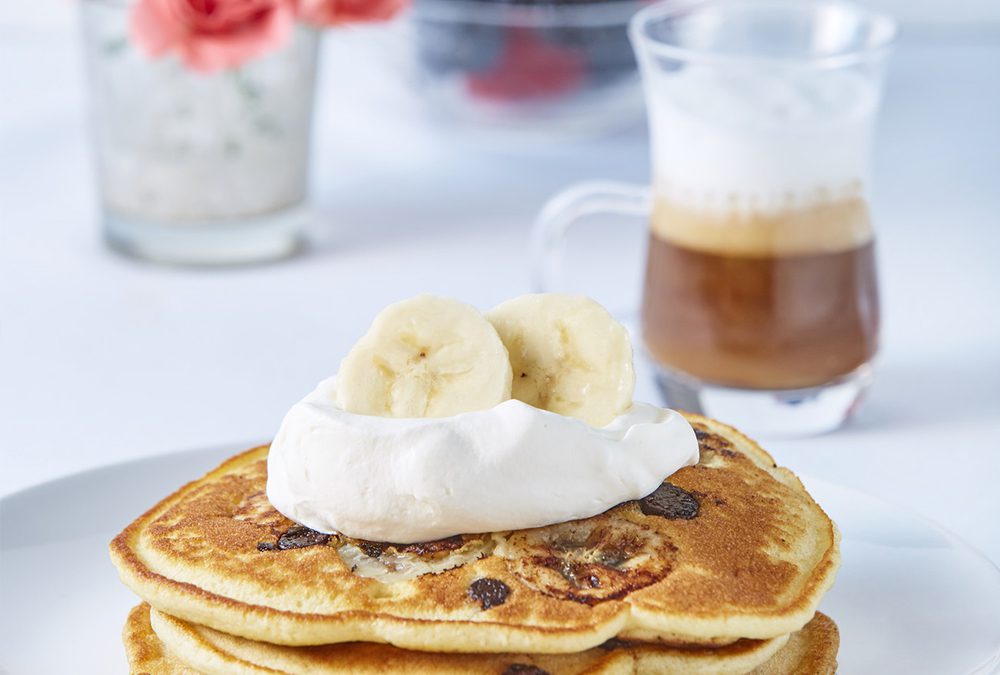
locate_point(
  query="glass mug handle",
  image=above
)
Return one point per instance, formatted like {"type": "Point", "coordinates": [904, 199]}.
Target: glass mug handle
{"type": "Point", "coordinates": [566, 209]}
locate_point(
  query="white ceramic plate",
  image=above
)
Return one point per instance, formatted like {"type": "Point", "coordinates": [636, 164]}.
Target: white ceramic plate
{"type": "Point", "coordinates": [910, 597]}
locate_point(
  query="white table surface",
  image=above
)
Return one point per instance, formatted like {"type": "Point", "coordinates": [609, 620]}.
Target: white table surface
{"type": "Point", "coordinates": [104, 359]}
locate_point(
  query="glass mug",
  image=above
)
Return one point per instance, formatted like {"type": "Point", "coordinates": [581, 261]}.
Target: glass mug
{"type": "Point", "coordinates": [760, 303]}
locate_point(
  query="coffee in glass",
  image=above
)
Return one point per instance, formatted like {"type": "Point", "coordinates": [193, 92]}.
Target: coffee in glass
{"type": "Point", "coordinates": [760, 303]}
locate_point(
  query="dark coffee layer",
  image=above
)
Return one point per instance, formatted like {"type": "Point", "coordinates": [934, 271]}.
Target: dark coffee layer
{"type": "Point", "coordinates": [760, 322]}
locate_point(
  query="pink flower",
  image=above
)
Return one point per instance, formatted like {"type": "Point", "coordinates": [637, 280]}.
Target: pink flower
{"type": "Point", "coordinates": [210, 35]}
{"type": "Point", "coordinates": [332, 12]}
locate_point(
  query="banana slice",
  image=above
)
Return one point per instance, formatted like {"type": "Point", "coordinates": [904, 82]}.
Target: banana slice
{"type": "Point", "coordinates": [569, 355]}
{"type": "Point", "coordinates": [425, 357]}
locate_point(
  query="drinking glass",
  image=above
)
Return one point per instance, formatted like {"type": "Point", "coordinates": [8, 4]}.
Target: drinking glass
{"type": "Point", "coordinates": [760, 302]}
{"type": "Point", "coordinates": [199, 167]}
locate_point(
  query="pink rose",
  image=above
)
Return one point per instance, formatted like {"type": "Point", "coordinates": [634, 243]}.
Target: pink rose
{"type": "Point", "coordinates": [331, 12]}
{"type": "Point", "coordinates": [210, 35]}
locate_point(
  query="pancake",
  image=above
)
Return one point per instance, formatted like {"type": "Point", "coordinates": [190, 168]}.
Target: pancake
{"type": "Point", "coordinates": [176, 646]}
{"type": "Point", "coordinates": [145, 652]}
{"type": "Point", "coordinates": [731, 548]}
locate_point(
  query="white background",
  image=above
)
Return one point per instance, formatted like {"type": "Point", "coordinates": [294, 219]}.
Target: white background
{"type": "Point", "coordinates": [104, 359]}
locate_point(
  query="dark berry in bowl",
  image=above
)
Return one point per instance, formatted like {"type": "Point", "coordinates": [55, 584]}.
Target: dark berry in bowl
{"type": "Point", "coordinates": [523, 50]}
{"type": "Point", "coordinates": [529, 68]}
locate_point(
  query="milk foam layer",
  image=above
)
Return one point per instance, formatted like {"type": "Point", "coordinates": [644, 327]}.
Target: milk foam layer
{"type": "Point", "coordinates": [510, 467]}
{"type": "Point", "coordinates": [780, 156]}
{"type": "Point", "coordinates": [760, 140]}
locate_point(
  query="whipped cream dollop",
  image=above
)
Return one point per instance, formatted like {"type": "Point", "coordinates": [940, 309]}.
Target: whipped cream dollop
{"type": "Point", "coordinates": [513, 466]}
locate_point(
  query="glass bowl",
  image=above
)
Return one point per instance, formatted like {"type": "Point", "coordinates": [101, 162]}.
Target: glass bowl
{"type": "Point", "coordinates": [554, 67]}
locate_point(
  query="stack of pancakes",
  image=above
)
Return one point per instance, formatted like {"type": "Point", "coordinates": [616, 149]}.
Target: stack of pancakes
{"type": "Point", "coordinates": [720, 570]}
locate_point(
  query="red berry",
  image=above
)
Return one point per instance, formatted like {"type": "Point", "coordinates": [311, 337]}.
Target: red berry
{"type": "Point", "coordinates": [529, 68]}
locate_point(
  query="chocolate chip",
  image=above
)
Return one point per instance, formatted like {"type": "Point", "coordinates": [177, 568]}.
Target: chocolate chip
{"type": "Point", "coordinates": [265, 546]}
{"type": "Point", "coordinates": [524, 669]}
{"type": "Point", "coordinates": [300, 537]}
{"type": "Point", "coordinates": [670, 501]}
{"type": "Point", "coordinates": [489, 592]}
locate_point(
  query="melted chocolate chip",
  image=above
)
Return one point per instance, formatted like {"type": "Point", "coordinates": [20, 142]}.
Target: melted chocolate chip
{"type": "Point", "coordinates": [265, 546]}
{"type": "Point", "coordinates": [709, 442]}
{"type": "Point", "coordinates": [372, 549]}
{"type": "Point", "coordinates": [489, 592]}
{"type": "Point", "coordinates": [524, 669]}
{"type": "Point", "coordinates": [671, 502]}
{"type": "Point", "coordinates": [614, 643]}
{"type": "Point", "coordinates": [436, 546]}
{"type": "Point", "coordinates": [300, 537]}
{"type": "Point", "coordinates": [579, 575]}
{"type": "Point", "coordinates": [614, 556]}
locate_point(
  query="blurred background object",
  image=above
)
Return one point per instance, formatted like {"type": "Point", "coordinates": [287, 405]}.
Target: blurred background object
{"type": "Point", "coordinates": [201, 114]}
{"type": "Point", "coordinates": [555, 68]}
{"type": "Point", "coordinates": [186, 146]}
